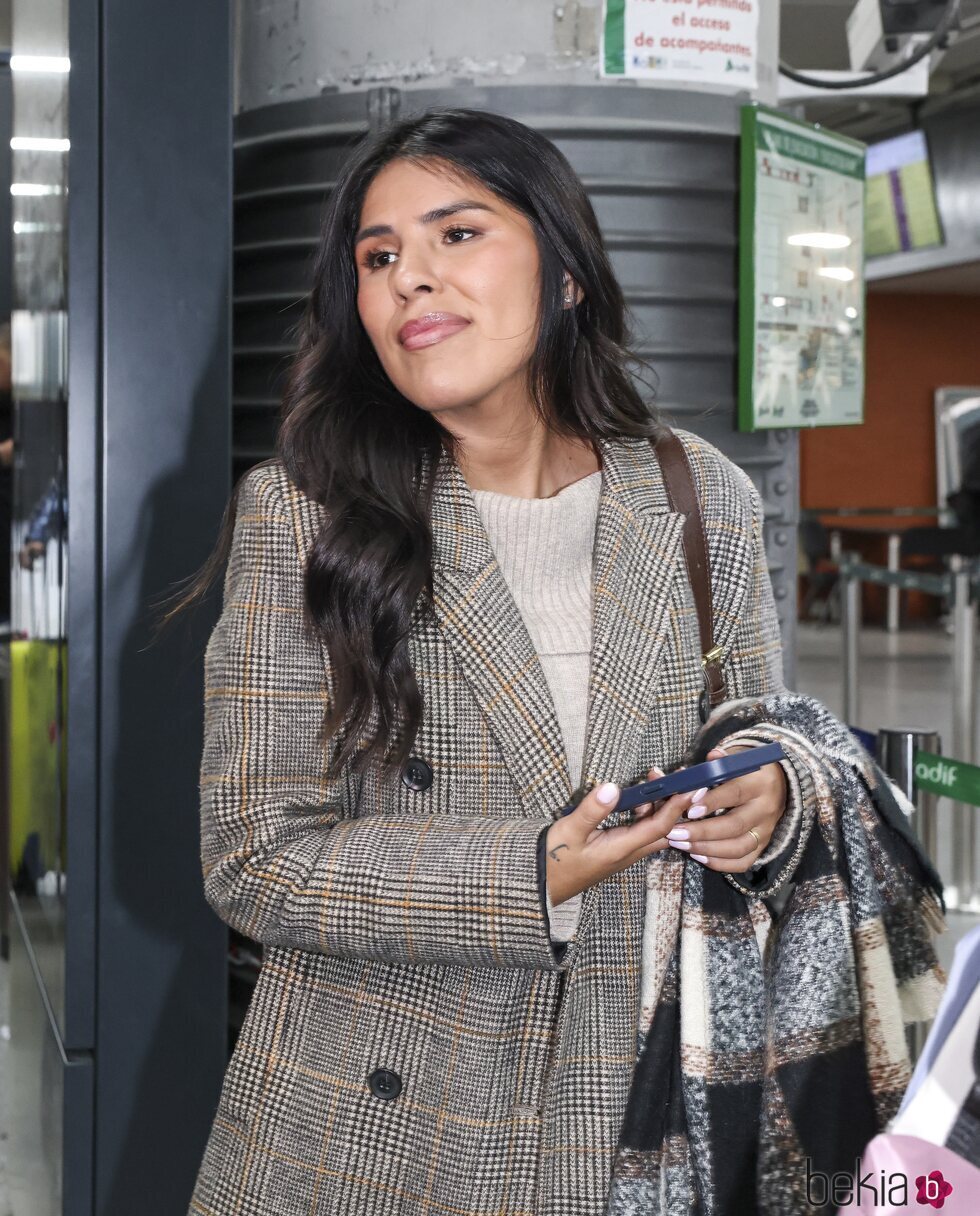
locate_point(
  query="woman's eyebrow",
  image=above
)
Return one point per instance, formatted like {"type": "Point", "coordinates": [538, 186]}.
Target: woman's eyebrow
{"type": "Point", "coordinates": [430, 217]}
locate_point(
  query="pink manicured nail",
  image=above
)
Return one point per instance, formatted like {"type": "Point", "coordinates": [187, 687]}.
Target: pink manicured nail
{"type": "Point", "coordinates": [699, 857]}
{"type": "Point", "coordinates": [680, 844]}
{"type": "Point", "coordinates": [696, 812]}
{"type": "Point", "coordinates": [678, 834]}
{"type": "Point", "coordinates": [699, 794]}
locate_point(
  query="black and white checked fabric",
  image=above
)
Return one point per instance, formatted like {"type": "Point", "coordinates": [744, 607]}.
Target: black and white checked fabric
{"type": "Point", "coordinates": [770, 1038]}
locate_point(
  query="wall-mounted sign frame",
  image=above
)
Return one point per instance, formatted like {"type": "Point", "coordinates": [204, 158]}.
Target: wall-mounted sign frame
{"type": "Point", "coordinates": [801, 313]}
{"type": "Point", "coordinates": [693, 42]}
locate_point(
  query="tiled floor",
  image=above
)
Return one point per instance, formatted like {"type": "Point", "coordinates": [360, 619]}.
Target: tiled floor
{"type": "Point", "coordinates": [904, 681]}
{"type": "Point", "coordinates": [6, 1099]}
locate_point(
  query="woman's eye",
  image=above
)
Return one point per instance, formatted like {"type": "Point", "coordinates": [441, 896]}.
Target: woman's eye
{"type": "Point", "coordinates": [378, 259]}
{"type": "Point", "coordinates": [372, 260]}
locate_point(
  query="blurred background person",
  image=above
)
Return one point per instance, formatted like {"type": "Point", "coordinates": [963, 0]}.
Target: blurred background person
{"type": "Point", "coordinates": [6, 468]}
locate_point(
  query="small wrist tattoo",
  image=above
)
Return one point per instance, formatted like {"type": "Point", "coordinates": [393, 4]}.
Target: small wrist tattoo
{"type": "Point", "coordinates": [554, 852]}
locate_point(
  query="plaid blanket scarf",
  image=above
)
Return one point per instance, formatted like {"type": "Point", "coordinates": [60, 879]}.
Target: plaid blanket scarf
{"type": "Point", "coordinates": [771, 1038]}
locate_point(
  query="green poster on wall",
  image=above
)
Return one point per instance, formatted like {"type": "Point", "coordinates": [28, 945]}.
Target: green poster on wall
{"type": "Point", "coordinates": [801, 274]}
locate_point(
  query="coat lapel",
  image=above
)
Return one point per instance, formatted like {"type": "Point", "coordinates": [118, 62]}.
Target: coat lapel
{"type": "Point", "coordinates": [635, 560]}
{"type": "Point", "coordinates": [637, 556]}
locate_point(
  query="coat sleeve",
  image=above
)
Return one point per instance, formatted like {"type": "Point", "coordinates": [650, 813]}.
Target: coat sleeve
{"type": "Point", "coordinates": [289, 856]}
{"type": "Point", "coordinates": [754, 668]}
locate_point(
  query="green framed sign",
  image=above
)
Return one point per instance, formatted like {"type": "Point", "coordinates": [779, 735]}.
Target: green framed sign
{"type": "Point", "coordinates": [801, 304]}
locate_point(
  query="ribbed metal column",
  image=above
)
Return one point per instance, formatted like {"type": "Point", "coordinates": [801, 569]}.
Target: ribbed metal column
{"type": "Point", "coordinates": [661, 169]}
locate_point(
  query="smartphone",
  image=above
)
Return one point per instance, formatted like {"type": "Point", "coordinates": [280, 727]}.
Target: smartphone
{"type": "Point", "coordinates": [683, 781]}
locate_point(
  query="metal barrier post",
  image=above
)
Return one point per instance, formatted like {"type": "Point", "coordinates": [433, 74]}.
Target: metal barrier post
{"type": "Point", "coordinates": [896, 754]}
{"type": "Point", "coordinates": [835, 546]}
{"type": "Point", "coordinates": [851, 624]}
{"type": "Point", "coordinates": [894, 592]}
{"type": "Point", "coordinates": [964, 717]}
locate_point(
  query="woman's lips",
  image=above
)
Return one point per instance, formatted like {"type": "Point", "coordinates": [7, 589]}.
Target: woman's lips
{"type": "Point", "coordinates": [430, 329]}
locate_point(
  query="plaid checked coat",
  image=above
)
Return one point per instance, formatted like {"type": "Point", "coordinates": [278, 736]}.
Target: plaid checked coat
{"type": "Point", "coordinates": [416, 1043]}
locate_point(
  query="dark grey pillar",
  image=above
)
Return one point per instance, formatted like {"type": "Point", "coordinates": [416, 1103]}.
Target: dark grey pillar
{"type": "Point", "coordinates": [149, 476]}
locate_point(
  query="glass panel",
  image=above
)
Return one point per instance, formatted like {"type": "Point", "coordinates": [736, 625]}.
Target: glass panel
{"type": "Point", "coordinates": [36, 661]}
{"type": "Point", "coordinates": [34, 1081]}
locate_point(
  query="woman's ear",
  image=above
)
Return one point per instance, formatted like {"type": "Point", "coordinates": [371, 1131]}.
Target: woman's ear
{"type": "Point", "coordinates": [574, 294]}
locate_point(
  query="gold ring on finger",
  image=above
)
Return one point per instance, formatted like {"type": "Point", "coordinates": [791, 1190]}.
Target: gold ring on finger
{"type": "Point", "coordinates": [755, 836]}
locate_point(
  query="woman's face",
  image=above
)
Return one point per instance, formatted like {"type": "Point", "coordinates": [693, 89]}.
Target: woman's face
{"type": "Point", "coordinates": [448, 285]}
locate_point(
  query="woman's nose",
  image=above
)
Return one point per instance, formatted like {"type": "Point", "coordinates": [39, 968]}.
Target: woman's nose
{"type": "Point", "coordinates": [413, 273]}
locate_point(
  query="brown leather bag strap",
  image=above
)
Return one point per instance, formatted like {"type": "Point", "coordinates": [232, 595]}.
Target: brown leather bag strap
{"type": "Point", "coordinates": [683, 496]}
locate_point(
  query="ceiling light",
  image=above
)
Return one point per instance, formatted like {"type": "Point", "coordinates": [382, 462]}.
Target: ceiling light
{"type": "Point", "coordinates": [33, 189]}
{"type": "Point", "coordinates": [40, 63]}
{"type": "Point", "coordinates": [27, 143]}
{"type": "Point", "coordinates": [820, 240]}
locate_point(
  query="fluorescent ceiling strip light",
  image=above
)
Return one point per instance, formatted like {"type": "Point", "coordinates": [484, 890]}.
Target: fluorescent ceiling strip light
{"type": "Point", "coordinates": [51, 64]}
{"type": "Point", "coordinates": [29, 143]}
{"type": "Point", "coordinates": [33, 189]}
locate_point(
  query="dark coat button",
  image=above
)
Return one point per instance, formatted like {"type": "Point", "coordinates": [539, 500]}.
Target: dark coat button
{"type": "Point", "coordinates": [417, 775]}
{"type": "Point", "coordinates": [385, 1084]}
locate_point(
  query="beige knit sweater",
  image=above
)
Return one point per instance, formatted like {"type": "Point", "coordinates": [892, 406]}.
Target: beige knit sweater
{"type": "Point", "coordinates": [544, 547]}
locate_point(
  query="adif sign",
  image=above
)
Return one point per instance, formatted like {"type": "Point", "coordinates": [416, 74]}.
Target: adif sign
{"type": "Point", "coordinates": [942, 772]}
{"type": "Point", "coordinates": [952, 778]}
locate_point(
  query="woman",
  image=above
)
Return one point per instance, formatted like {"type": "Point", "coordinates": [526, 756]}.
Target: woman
{"type": "Point", "coordinates": [457, 592]}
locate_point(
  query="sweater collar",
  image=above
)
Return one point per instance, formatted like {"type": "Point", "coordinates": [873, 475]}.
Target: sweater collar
{"type": "Point", "coordinates": [636, 557]}
{"type": "Point", "coordinates": [631, 487]}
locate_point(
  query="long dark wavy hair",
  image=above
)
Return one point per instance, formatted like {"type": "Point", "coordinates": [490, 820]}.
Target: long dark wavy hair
{"type": "Point", "coordinates": [350, 440]}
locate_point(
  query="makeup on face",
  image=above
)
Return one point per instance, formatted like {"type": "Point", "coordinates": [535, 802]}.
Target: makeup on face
{"type": "Point", "coordinates": [448, 289]}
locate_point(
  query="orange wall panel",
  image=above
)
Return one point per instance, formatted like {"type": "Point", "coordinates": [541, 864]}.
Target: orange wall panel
{"type": "Point", "coordinates": [915, 344]}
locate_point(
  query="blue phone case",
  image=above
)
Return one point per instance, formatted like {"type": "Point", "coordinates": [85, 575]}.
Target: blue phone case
{"type": "Point", "coordinates": [683, 781]}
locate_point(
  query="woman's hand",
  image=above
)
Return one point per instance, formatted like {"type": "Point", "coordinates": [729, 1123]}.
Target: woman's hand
{"type": "Point", "coordinates": [725, 842]}
{"type": "Point", "coordinates": [581, 854]}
